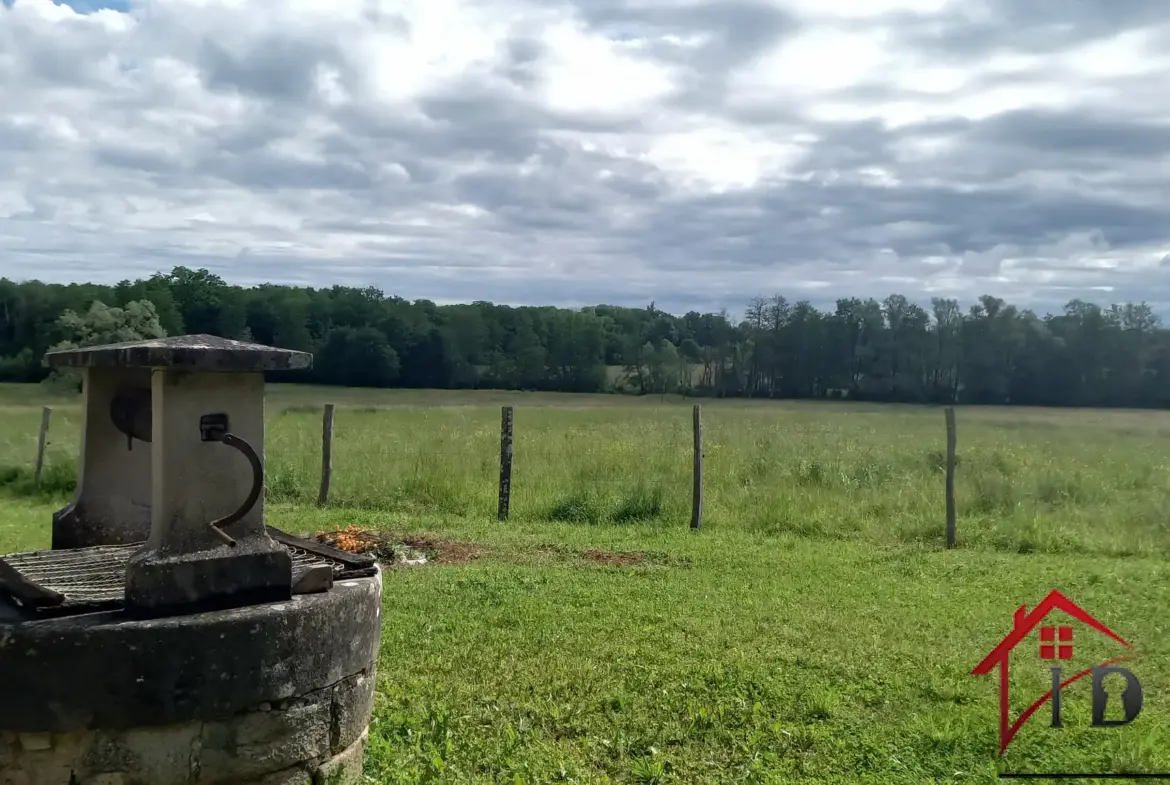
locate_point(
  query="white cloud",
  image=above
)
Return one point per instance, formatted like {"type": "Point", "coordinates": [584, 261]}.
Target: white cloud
{"type": "Point", "coordinates": [695, 152]}
{"type": "Point", "coordinates": [718, 159]}
{"type": "Point", "coordinates": [587, 74]}
{"type": "Point", "coordinates": [814, 62]}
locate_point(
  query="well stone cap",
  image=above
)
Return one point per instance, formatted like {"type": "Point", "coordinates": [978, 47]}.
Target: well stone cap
{"type": "Point", "coordinates": [185, 352]}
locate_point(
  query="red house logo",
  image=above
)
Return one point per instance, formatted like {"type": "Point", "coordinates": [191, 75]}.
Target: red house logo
{"type": "Point", "coordinates": [1056, 646]}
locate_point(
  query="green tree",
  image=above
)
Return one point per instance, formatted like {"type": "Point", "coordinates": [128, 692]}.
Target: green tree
{"type": "Point", "coordinates": [103, 324]}
{"type": "Point", "coordinates": [891, 349]}
{"type": "Point", "coordinates": [357, 357]}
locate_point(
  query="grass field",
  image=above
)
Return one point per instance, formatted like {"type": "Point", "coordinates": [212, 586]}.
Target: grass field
{"type": "Point", "coordinates": [815, 630]}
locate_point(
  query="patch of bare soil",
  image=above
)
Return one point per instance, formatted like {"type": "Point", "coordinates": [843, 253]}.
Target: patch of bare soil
{"type": "Point", "coordinates": [400, 549]}
{"type": "Point", "coordinates": [445, 551]}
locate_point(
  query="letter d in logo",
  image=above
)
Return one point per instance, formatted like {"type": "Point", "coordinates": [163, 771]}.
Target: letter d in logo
{"type": "Point", "coordinates": [1131, 697]}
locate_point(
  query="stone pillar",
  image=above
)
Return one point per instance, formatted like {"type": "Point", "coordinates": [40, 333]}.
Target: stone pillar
{"type": "Point", "coordinates": [197, 480]}
{"type": "Point", "coordinates": [135, 394]}
{"type": "Point", "coordinates": [112, 502]}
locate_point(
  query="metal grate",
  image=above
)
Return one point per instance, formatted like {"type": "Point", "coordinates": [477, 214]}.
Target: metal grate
{"type": "Point", "coordinates": [94, 579]}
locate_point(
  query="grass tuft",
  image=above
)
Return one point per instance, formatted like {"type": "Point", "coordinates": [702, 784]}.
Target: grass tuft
{"type": "Point", "coordinates": [58, 479]}
{"type": "Point", "coordinates": [642, 504]}
{"type": "Point", "coordinates": [577, 507]}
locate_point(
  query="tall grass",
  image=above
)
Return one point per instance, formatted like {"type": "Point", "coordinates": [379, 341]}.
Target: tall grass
{"type": "Point", "coordinates": [1027, 481]}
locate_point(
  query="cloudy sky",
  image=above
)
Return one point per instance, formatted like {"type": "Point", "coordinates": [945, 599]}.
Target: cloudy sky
{"type": "Point", "coordinates": [691, 152]}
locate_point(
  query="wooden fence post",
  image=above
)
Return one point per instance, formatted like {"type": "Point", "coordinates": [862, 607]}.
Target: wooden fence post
{"type": "Point", "coordinates": [506, 419]}
{"type": "Point", "coordinates": [950, 413]}
{"type": "Point", "coordinates": [42, 443]}
{"type": "Point", "coordinates": [697, 489]}
{"type": "Point", "coordinates": [326, 454]}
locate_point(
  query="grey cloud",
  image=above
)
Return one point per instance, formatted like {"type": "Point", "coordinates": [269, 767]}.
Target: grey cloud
{"type": "Point", "coordinates": [562, 193]}
{"type": "Point", "coordinates": [735, 30]}
{"type": "Point", "coordinates": [452, 126]}
{"type": "Point", "coordinates": [69, 54]}
{"type": "Point", "coordinates": [252, 138]}
{"type": "Point", "coordinates": [785, 224]}
{"type": "Point", "coordinates": [481, 121]}
{"type": "Point", "coordinates": [244, 161]}
{"type": "Point", "coordinates": [522, 55]}
{"type": "Point", "coordinates": [1074, 132]}
{"type": "Point", "coordinates": [16, 138]}
{"type": "Point", "coordinates": [1074, 140]}
{"type": "Point", "coordinates": [1094, 17]}
{"type": "Point", "coordinates": [125, 157]}
{"type": "Point", "coordinates": [486, 117]}
{"type": "Point", "coordinates": [731, 33]}
{"type": "Point", "coordinates": [994, 216]}
{"type": "Point", "coordinates": [1019, 217]}
{"type": "Point", "coordinates": [387, 20]}
{"type": "Point", "coordinates": [1036, 27]}
{"type": "Point", "coordinates": [988, 159]}
{"type": "Point", "coordinates": [280, 64]}
{"type": "Point", "coordinates": [272, 67]}
{"type": "Point", "coordinates": [1007, 186]}
{"type": "Point", "coordinates": [276, 172]}
{"type": "Point", "coordinates": [849, 145]}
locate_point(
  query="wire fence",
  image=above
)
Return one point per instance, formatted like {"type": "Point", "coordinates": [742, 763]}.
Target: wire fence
{"type": "Point", "coordinates": [508, 456]}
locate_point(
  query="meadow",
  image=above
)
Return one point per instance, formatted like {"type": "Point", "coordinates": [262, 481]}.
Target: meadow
{"type": "Point", "coordinates": [815, 629]}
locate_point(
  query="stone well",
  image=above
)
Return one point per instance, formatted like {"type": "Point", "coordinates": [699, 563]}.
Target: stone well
{"type": "Point", "coordinates": [204, 648]}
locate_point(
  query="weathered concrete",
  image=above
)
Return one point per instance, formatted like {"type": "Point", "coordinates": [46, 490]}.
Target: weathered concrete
{"type": "Point", "coordinates": [103, 671]}
{"type": "Point", "coordinates": [202, 353]}
{"type": "Point", "coordinates": [112, 502]}
{"type": "Point", "coordinates": [292, 742]}
{"type": "Point", "coordinates": [196, 481]}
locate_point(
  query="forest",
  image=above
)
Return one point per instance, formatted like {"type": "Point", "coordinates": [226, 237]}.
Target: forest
{"type": "Point", "coordinates": [863, 349]}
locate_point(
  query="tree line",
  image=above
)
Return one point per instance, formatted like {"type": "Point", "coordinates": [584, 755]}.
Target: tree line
{"type": "Point", "coordinates": [887, 350]}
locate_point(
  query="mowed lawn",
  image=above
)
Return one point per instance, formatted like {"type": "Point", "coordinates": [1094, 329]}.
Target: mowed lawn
{"type": "Point", "coordinates": [816, 629]}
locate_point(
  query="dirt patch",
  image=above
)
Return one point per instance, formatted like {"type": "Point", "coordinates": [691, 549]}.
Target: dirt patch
{"type": "Point", "coordinates": [443, 551]}
{"type": "Point", "coordinates": [613, 559]}
{"type": "Point", "coordinates": [393, 549]}
{"type": "Point", "coordinates": [409, 549]}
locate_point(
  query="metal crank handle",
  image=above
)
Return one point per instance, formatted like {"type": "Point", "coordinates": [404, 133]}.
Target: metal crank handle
{"type": "Point", "coordinates": [232, 440]}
